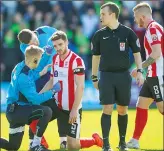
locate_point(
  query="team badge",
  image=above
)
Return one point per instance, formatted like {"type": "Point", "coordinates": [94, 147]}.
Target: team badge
{"type": "Point", "coordinates": [154, 37]}
{"type": "Point", "coordinates": [122, 46]}
{"type": "Point", "coordinates": [55, 73]}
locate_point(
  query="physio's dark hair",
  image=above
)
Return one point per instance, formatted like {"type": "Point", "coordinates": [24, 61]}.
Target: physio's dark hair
{"type": "Point", "coordinates": [25, 36]}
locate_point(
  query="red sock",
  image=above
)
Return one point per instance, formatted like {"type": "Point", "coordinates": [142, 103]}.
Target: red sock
{"type": "Point", "coordinates": [141, 120]}
{"type": "Point", "coordinates": [33, 128]}
{"type": "Point", "coordinates": [87, 142]}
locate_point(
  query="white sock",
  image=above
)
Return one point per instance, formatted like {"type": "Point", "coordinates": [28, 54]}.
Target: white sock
{"type": "Point", "coordinates": [63, 139]}
{"type": "Point", "coordinates": [36, 141]}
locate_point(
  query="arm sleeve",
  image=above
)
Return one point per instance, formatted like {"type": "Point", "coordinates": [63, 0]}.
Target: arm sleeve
{"type": "Point", "coordinates": [95, 45]}
{"type": "Point", "coordinates": [134, 42]}
{"type": "Point", "coordinates": [23, 47]}
{"type": "Point", "coordinates": [28, 89]}
{"type": "Point", "coordinates": [155, 36]}
{"type": "Point", "coordinates": [78, 62]}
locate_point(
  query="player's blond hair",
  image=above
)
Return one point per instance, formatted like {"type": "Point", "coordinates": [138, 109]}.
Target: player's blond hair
{"type": "Point", "coordinates": [143, 7]}
{"type": "Point", "coordinates": [33, 50]}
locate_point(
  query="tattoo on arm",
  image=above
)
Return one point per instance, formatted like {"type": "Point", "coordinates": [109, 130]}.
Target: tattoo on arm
{"type": "Point", "coordinates": [148, 62]}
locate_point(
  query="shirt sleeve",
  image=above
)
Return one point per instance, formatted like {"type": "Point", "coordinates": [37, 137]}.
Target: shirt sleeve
{"type": "Point", "coordinates": [78, 62]}
{"type": "Point", "coordinates": [154, 36]}
{"type": "Point", "coordinates": [27, 88]}
{"type": "Point", "coordinates": [23, 47]}
{"type": "Point", "coordinates": [95, 45]}
{"type": "Point", "coordinates": [134, 42]}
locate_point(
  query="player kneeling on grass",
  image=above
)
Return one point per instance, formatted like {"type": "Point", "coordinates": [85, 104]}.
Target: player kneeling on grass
{"type": "Point", "coordinates": [68, 68]}
{"type": "Point", "coordinates": [23, 101]}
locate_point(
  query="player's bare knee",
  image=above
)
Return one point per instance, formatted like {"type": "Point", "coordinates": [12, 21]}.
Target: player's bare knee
{"type": "Point", "coordinates": [144, 102]}
{"type": "Point", "coordinates": [107, 109]}
{"type": "Point", "coordinates": [122, 110]}
{"type": "Point", "coordinates": [72, 145]}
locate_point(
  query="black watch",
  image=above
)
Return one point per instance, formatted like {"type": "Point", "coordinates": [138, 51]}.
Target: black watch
{"type": "Point", "coordinates": [94, 78]}
{"type": "Point", "coordinates": [140, 70]}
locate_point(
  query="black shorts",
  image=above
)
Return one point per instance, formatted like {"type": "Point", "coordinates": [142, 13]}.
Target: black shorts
{"type": "Point", "coordinates": [55, 110]}
{"type": "Point", "coordinates": [22, 115]}
{"type": "Point", "coordinates": [153, 88]}
{"type": "Point", "coordinates": [64, 128]}
{"type": "Point", "coordinates": [115, 87]}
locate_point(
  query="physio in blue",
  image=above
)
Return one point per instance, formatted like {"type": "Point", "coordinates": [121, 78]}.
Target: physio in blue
{"type": "Point", "coordinates": [41, 37]}
{"type": "Point", "coordinates": [23, 101]}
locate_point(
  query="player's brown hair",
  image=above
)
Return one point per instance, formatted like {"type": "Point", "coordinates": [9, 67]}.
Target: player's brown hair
{"type": "Point", "coordinates": [112, 8]}
{"type": "Point", "coordinates": [25, 36]}
{"type": "Point", "coordinates": [59, 35]}
{"type": "Point", "coordinates": [145, 6]}
{"type": "Point", "coordinates": [33, 50]}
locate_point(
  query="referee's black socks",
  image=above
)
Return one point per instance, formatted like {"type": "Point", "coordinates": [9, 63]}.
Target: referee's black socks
{"type": "Point", "coordinates": [122, 126]}
{"type": "Point", "coordinates": [105, 126]}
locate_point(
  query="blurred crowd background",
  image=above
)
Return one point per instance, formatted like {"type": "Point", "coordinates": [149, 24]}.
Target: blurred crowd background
{"type": "Point", "coordinates": [79, 19]}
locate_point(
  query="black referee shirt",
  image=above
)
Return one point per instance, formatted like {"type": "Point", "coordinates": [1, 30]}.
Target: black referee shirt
{"type": "Point", "coordinates": [113, 46]}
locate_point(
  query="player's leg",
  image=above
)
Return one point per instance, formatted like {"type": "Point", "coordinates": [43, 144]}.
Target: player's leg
{"type": "Point", "coordinates": [62, 121]}
{"type": "Point", "coordinates": [74, 142]}
{"type": "Point", "coordinates": [160, 107]}
{"type": "Point", "coordinates": [43, 114]}
{"type": "Point", "coordinates": [107, 99]}
{"type": "Point", "coordinates": [123, 95]}
{"type": "Point", "coordinates": [146, 98]}
{"type": "Point", "coordinates": [55, 113]}
{"type": "Point", "coordinates": [16, 133]}
{"type": "Point", "coordinates": [40, 83]}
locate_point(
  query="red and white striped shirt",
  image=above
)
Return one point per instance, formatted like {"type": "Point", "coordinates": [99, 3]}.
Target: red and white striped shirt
{"type": "Point", "coordinates": [154, 35]}
{"type": "Point", "coordinates": [63, 71]}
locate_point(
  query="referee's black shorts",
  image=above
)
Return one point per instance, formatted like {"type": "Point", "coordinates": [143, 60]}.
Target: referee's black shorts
{"type": "Point", "coordinates": [115, 87]}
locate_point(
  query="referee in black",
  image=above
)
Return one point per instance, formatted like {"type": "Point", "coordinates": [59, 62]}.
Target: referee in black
{"type": "Point", "coordinates": [110, 48]}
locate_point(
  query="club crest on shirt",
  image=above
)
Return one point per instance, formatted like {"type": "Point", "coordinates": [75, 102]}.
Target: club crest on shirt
{"type": "Point", "coordinates": [55, 73]}
{"type": "Point", "coordinates": [122, 46]}
{"type": "Point", "coordinates": [154, 37]}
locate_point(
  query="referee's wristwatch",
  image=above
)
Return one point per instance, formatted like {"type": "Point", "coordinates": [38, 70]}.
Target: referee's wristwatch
{"type": "Point", "coordinates": [94, 78]}
{"type": "Point", "coordinates": [140, 70]}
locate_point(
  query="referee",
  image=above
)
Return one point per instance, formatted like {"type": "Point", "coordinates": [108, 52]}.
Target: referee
{"type": "Point", "coordinates": [110, 48]}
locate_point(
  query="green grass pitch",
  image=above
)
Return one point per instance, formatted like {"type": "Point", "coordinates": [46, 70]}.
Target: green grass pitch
{"type": "Point", "coordinates": [152, 138]}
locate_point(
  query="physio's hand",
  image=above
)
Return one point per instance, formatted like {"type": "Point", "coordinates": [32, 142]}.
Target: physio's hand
{"type": "Point", "coordinates": [48, 49]}
{"type": "Point", "coordinates": [73, 116]}
{"type": "Point", "coordinates": [134, 73]}
{"type": "Point", "coordinates": [139, 79]}
{"type": "Point", "coordinates": [56, 87]}
{"type": "Point", "coordinates": [45, 69]}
